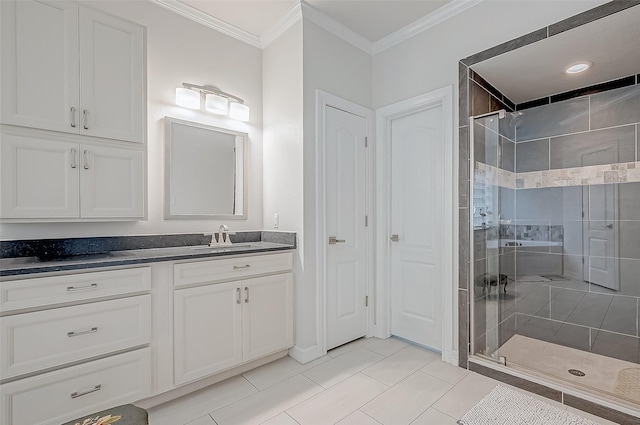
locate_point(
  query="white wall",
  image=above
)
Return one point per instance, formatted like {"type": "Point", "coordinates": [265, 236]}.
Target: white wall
{"type": "Point", "coordinates": [283, 171]}
{"type": "Point", "coordinates": [178, 50]}
{"type": "Point", "coordinates": [429, 60]}
{"type": "Point", "coordinates": [336, 67]}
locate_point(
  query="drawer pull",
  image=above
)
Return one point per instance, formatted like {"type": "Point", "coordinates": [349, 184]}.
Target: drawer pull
{"type": "Point", "coordinates": [93, 390]}
{"type": "Point", "coordinates": [90, 331]}
{"type": "Point", "coordinates": [82, 288]}
{"type": "Point", "coordinates": [246, 266]}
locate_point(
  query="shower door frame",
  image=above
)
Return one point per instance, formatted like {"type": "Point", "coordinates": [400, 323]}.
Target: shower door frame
{"type": "Point", "coordinates": [501, 113]}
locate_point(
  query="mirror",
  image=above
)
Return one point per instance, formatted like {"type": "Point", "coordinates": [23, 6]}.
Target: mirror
{"type": "Point", "coordinates": [204, 171]}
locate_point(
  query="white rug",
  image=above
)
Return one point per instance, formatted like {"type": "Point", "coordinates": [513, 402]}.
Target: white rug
{"type": "Point", "coordinates": [504, 406]}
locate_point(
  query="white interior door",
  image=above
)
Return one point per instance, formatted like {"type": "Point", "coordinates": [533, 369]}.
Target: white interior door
{"type": "Point", "coordinates": [600, 225]}
{"type": "Point", "coordinates": [345, 186]}
{"type": "Point", "coordinates": [417, 223]}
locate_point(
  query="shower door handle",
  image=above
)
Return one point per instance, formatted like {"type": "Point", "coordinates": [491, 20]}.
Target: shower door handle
{"type": "Point", "coordinates": [607, 226]}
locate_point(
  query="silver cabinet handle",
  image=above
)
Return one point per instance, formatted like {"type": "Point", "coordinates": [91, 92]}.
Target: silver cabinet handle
{"type": "Point", "coordinates": [80, 394]}
{"type": "Point", "coordinates": [333, 240]}
{"type": "Point", "coordinates": [246, 300]}
{"type": "Point", "coordinates": [246, 266]}
{"type": "Point", "coordinates": [85, 115]}
{"type": "Point", "coordinates": [86, 159]}
{"type": "Point", "coordinates": [395, 238]}
{"type": "Point", "coordinates": [237, 295]}
{"type": "Point", "coordinates": [90, 331]}
{"type": "Point", "coordinates": [74, 152]}
{"type": "Point", "coordinates": [82, 288]}
{"type": "Point", "coordinates": [607, 226]}
{"type": "Point", "coordinates": [73, 117]}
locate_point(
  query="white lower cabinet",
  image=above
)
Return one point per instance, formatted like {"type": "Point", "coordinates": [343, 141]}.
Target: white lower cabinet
{"type": "Point", "coordinates": [56, 397]}
{"type": "Point", "coordinates": [207, 330]}
{"type": "Point", "coordinates": [74, 344]}
{"type": "Point", "coordinates": [220, 325]}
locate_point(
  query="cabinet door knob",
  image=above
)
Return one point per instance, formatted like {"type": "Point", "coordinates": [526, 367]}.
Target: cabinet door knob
{"type": "Point", "coordinates": [82, 288]}
{"type": "Point", "coordinates": [80, 394]}
{"type": "Point", "coordinates": [78, 333]}
{"type": "Point", "coordinates": [73, 158]}
{"type": "Point", "coordinates": [73, 117]}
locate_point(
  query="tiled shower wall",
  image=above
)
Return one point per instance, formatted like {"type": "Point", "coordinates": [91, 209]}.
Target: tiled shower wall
{"type": "Point", "coordinates": [598, 130]}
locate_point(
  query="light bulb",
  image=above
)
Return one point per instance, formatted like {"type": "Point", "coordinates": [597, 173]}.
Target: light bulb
{"type": "Point", "coordinates": [217, 104]}
{"type": "Point", "coordinates": [187, 98]}
{"type": "Point", "coordinates": [239, 111]}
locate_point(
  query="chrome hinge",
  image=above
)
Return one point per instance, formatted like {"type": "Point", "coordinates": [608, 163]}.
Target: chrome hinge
{"type": "Point", "coordinates": [366, 301]}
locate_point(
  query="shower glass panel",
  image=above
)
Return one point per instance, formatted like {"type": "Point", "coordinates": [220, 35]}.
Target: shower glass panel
{"type": "Point", "coordinates": [490, 283]}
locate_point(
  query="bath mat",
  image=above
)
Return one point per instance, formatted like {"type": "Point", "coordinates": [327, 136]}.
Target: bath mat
{"type": "Point", "coordinates": [504, 406]}
{"type": "Point", "coordinates": [628, 384]}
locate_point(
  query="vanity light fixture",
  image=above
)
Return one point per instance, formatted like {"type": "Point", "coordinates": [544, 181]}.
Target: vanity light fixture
{"type": "Point", "coordinates": [579, 67]}
{"type": "Point", "coordinates": [216, 101]}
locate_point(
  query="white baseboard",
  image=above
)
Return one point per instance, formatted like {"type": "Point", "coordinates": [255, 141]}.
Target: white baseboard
{"type": "Point", "coordinates": [304, 355]}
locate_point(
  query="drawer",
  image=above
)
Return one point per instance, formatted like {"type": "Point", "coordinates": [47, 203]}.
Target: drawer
{"type": "Point", "coordinates": [44, 339]}
{"type": "Point", "coordinates": [57, 397]}
{"type": "Point", "coordinates": [230, 268]}
{"type": "Point", "coordinates": [43, 291]}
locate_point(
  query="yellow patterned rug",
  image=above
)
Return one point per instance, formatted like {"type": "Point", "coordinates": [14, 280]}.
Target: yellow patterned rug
{"type": "Point", "coordinates": [628, 384]}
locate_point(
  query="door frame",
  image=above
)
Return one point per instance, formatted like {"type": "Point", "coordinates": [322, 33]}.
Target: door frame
{"type": "Point", "coordinates": [442, 97]}
{"type": "Point", "coordinates": [324, 100]}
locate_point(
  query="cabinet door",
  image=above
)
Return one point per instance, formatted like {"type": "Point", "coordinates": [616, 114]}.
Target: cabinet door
{"type": "Point", "coordinates": [40, 64]}
{"type": "Point", "coordinates": [267, 315]}
{"type": "Point", "coordinates": [207, 333]}
{"type": "Point", "coordinates": [112, 92]}
{"type": "Point", "coordinates": [39, 178]}
{"type": "Point", "coordinates": [111, 182]}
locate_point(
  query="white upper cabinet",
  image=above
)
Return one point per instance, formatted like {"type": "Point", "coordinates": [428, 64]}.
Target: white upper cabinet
{"type": "Point", "coordinates": [111, 182]}
{"type": "Point", "coordinates": [111, 77]}
{"type": "Point", "coordinates": [70, 68]}
{"type": "Point", "coordinates": [40, 70]}
{"type": "Point", "coordinates": [53, 180]}
{"type": "Point", "coordinates": [39, 179]}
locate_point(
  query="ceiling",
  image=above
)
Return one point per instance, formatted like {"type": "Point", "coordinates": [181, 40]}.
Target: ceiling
{"type": "Point", "coordinates": [611, 43]}
{"type": "Point", "coordinates": [373, 20]}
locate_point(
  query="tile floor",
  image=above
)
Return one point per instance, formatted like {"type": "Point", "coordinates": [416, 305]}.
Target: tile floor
{"type": "Point", "coordinates": [367, 382]}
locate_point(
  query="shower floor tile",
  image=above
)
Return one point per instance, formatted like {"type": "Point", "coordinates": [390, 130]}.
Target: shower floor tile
{"type": "Point", "coordinates": [554, 361]}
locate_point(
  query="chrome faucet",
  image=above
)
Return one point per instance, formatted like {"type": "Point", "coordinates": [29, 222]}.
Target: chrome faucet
{"type": "Point", "coordinates": [223, 235]}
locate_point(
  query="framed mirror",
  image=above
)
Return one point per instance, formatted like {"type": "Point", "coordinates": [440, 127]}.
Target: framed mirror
{"type": "Point", "coordinates": [204, 171]}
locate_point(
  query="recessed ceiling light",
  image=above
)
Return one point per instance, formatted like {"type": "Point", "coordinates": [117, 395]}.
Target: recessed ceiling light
{"type": "Point", "coordinates": [578, 67]}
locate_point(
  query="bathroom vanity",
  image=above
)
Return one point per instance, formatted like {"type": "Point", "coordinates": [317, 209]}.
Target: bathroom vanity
{"type": "Point", "coordinates": [85, 333]}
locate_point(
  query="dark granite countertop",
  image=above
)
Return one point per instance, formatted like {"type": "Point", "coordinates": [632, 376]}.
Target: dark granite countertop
{"type": "Point", "coordinates": [97, 258]}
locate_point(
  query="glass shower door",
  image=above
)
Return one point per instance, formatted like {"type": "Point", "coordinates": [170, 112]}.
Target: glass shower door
{"type": "Point", "coordinates": [488, 282]}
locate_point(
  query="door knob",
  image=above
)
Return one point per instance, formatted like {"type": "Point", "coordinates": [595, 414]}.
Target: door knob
{"type": "Point", "coordinates": [333, 240]}
{"type": "Point", "coordinates": [395, 238]}
{"type": "Point", "coordinates": [607, 226]}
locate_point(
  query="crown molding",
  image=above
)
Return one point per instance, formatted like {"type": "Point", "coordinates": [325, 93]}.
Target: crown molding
{"type": "Point", "coordinates": [289, 19]}
{"type": "Point", "coordinates": [440, 15]}
{"type": "Point", "coordinates": [336, 28]}
{"type": "Point", "coordinates": [209, 21]}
